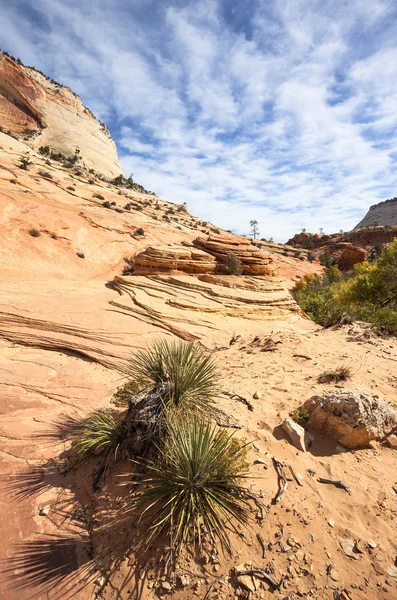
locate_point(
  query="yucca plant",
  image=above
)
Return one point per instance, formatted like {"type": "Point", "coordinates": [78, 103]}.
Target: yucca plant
{"type": "Point", "coordinates": [187, 375]}
{"type": "Point", "coordinates": [99, 431]}
{"type": "Point", "coordinates": [194, 485]}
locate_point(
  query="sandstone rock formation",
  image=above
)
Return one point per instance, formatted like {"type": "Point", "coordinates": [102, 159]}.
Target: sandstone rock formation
{"type": "Point", "coordinates": [254, 261]}
{"type": "Point", "coordinates": [173, 259]}
{"type": "Point", "coordinates": [347, 255]}
{"type": "Point", "coordinates": [351, 417]}
{"type": "Point", "coordinates": [384, 213]}
{"type": "Point", "coordinates": [46, 113]}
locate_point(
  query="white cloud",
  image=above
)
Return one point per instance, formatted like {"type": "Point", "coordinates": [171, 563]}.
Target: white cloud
{"type": "Point", "coordinates": [288, 116]}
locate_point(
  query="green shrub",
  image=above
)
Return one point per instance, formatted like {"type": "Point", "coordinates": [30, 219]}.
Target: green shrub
{"type": "Point", "coordinates": [24, 163]}
{"type": "Point", "coordinates": [45, 174]}
{"type": "Point", "coordinates": [99, 432]}
{"type": "Point", "coordinates": [195, 484]}
{"type": "Point", "coordinates": [129, 267]}
{"type": "Point", "coordinates": [367, 293]}
{"type": "Point", "coordinates": [188, 374]}
{"type": "Point", "coordinates": [99, 196]}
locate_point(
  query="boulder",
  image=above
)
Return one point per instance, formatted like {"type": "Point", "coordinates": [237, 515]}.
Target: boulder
{"type": "Point", "coordinates": [296, 434]}
{"type": "Point", "coordinates": [351, 417]}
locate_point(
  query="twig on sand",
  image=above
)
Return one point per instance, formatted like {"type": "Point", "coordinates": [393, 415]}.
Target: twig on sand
{"type": "Point", "coordinates": [239, 398]}
{"type": "Point", "coordinates": [259, 572]}
{"type": "Point", "coordinates": [207, 593]}
{"type": "Point", "coordinates": [282, 480]}
{"type": "Point", "coordinates": [260, 506]}
{"type": "Point", "coordinates": [294, 475]}
{"type": "Point", "coordinates": [302, 356]}
{"type": "Point", "coordinates": [262, 544]}
{"type": "Point", "coordinates": [336, 483]}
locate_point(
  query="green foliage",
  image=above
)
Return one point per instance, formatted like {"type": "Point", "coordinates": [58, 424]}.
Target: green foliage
{"type": "Point", "coordinates": [195, 484]}
{"type": "Point", "coordinates": [232, 264]}
{"type": "Point", "coordinates": [301, 416]}
{"type": "Point", "coordinates": [130, 389]}
{"type": "Point", "coordinates": [190, 375]}
{"type": "Point", "coordinates": [99, 432]}
{"type": "Point", "coordinates": [327, 260]}
{"type": "Point", "coordinates": [367, 293]}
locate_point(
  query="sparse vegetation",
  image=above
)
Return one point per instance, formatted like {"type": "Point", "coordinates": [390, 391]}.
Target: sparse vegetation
{"type": "Point", "coordinates": [99, 196]}
{"type": "Point", "coordinates": [129, 266]}
{"type": "Point", "coordinates": [24, 163]}
{"type": "Point", "coordinates": [34, 232]}
{"type": "Point", "coordinates": [54, 236]}
{"type": "Point", "coordinates": [80, 254]}
{"type": "Point", "coordinates": [340, 374]}
{"type": "Point", "coordinates": [367, 293]}
{"type": "Point", "coordinates": [45, 174]}
{"type": "Point", "coordinates": [107, 204]}
{"type": "Point", "coordinates": [232, 264]}
{"type": "Point", "coordinates": [254, 229]}
{"type": "Point", "coordinates": [301, 416]}
{"type": "Point", "coordinates": [139, 231]}
{"type": "Point", "coordinates": [71, 188]}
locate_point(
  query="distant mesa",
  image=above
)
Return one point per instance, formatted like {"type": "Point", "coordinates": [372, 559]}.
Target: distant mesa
{"type": "Point", "coordinates": [45, 113]}
{"type": "Point", "coordinates": [383, 214]}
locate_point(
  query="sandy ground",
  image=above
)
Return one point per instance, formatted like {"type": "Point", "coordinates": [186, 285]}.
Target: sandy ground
{"type": "Point", "coordinates": [67, 328]}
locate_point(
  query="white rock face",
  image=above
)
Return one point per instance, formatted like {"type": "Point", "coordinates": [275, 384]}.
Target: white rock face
{"type": "Point", "coordinates": [351, 417]}
{"type": "Point", "coordinates": [384, 213]}
{"type": "Point", "coordinates": [52, 115]}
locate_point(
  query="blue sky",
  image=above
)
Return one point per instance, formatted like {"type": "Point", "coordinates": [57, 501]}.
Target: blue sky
{"type": "Point", "coordinates": [283, 111]}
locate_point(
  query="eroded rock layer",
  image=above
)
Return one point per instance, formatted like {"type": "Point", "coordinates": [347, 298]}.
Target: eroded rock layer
{"type": "Point", "coordinates": [254, 261]}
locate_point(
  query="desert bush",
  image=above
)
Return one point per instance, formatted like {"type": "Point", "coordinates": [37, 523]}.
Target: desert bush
{"type": "Point", "coordinates": [340, 374]}
{"type": "Point", "coordinates": [99, 196]}
{"type": "Point", "coordinates": [80, 254]}
{"type": "Point", "coordinates": [139, 231]}
{"type": "Point", "coordinates": [129, 267]}
{"type": "Point", "coordinates": [54, 236]}
{"type": "Point", "coordinates": [188, 375]}
{"type": "Point", "coordinates": [367, 293]}
{"type": "Point", "coordinates": [232, 264]}
{"type": "Point", "coordinates": [24, 163]}
{"type": "Point", "coordinates": [34, 232]}
{"type": "Point", "coordinates": [45, 174]}
{"type": "Point", "coordinates": [71, 188]}
{"type": "Point", "coordinates": [99, 432]}
{"type": "Point", "coordinates": [195, 484]}
{"type": "Point", "coordinates": [301, 416]}
{"type": "Point", "coordinates": [107, 204]}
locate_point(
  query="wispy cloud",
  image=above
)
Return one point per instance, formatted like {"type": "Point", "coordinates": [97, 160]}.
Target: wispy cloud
{"type": "Point", "coordinates": [285, 111]}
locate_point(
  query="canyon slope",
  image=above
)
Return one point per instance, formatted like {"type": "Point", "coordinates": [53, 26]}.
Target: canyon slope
{"type": "Point", "coordinates": [383, 213]}
{"type": "Point", "coordinates": [73, 311]}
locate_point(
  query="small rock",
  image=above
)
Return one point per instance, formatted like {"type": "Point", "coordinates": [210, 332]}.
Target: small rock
{"type": "Point", "coordinates": [340, 449]}
{"type": "Point", "coordinates": [257, 395]}
{"type": "Point", "coordinates": [184, 580]}
{"type": "Point", "coordinates": [246, 580]}
{"type": "Point", "coordinates": [296, 433]}
{"type": "Point", "coordinates": [166, 586]}
{"type": "Point", "coordinates": [392, 571]}
{"type": "Point", "coordinates": [287, 548]}
{"type": "Point", "coordinates": [347, 546]}
{"type": "Point", "coordinates": [372, 544]}
{"type": "Point", "coordinates": [391, 441]}
{"type": "Point", "coordinates": [331, 523]}
{"type": "Point", "coordinates": [334, 575]}
{"type": "Point", "coordinates": [100, 581]}
{"type": "Point", "coordinates": [359, 547]}
{"type": "Point", "coordinates": [44, 510]}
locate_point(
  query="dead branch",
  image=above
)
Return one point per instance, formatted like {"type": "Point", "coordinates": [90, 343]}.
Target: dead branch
{"type": "Point", "coordinates": [260, 506]}
{"type": "Point", "coordinates": [259, 572]}
{"type": "Point", "coordinates": [295, 476]}
{"type": "Point", "coordinates": [207, 594]}
{"type": "Point", "coordinates": [262, 544]}
{"type": "Point", "coordinates": [282, 480]}
{"type": "Point", "coordinates": [239, 398]}
{"type": "Point", "coordinates": [336, 483]}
